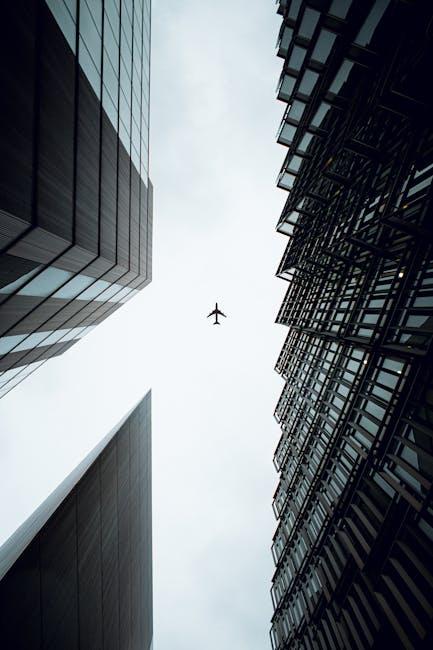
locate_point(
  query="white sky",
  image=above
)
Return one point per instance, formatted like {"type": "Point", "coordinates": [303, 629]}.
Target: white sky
{"type": "Point", "coordinates": [213, 164]}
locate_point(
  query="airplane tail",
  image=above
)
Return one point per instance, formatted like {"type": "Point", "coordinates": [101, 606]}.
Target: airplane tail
{"type": "Point", "coordinates": [217, 323]}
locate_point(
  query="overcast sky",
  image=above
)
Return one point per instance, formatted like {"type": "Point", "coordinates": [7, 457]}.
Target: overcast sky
{"type": "Point", "coordinates": [213, 164]}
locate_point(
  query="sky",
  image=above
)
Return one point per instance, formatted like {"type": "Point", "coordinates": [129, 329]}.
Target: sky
{"type": "Point", "coordinates": [213, 164]}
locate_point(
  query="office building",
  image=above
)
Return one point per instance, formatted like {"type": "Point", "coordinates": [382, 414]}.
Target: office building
{"type": "Point", "coordinates": [75, 196]}
{"type": "Point", "coordinates": [78, 573]}
{"type": "Point", "coordinates": [353, 548]}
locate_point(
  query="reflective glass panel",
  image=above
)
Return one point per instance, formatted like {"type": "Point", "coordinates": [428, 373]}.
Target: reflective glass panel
{"type": "Point", "coordinates": [308, 82]}
{"type": "Point", "coordinates": [9, 342]}
{"type": "Point", "coordinates": [287, 133]}
{"type": "Point", "coordinates": [341, 76]}
{"type": "Point", "coordinates": [369, 27]}
{"type": "Point", "coordinates": [323, 46]}
{"type": "Point", "coordinates": [340, 8]}
{"type": "Point", "coordinates": [72, 288]}
{"type": "Point", "coordinates": [295, 5]}
{"type": "Point", "coordinates": [286, 87]}
{"type": "Point", "coordinates": [305, 142]}
{"type": "Point", "coordinates": [13, 286]}
{"type": "Point", "coordinates": [94, 290]}
{"type": "Point", "coordinates": [320, 115]}
{"type": "Point", "coordinates": [296, 110]}
{"type": "Point", "coordinates": [297, 57]}
{"type": "Point", "coordinates": [65, 20]}
{"type": "Point", "coordinates": [308, 23]}
{"type": "Point", "coordinates": [46, 282]}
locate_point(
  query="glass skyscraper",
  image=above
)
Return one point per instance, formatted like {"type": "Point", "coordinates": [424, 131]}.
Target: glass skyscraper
{"type": "Point", "coordinates": [78, 572]}
{"type": "Point", "coordinates": [353, 548]}
{"type": "Point", "coordinates": [75, 195]}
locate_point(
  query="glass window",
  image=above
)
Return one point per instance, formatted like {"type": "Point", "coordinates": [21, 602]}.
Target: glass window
{"type": "Point", "coordinates": [287, 133]}
{"type": "Point", "coordinates": [295, 5]}
{"type": "Point", "coordinates": [286, 87]}
{"type": "Point", "coordinates": [285, 41]}
{"type": "Point", "coordinates": [341, 76]}
{"type": "Point", "coordinates": [89, 68]}
{"type": "Point", "coordinates": [112, 13]}
{"type": "Point", "coordinates": [71, 6]}
{"type": "Point", "coordinates": [65, 20]}
{"type": "Point", "coordinates": [13, 286]}
{"type": "Point", "coordinates": [54, 337]}
{"type": "Point", "coordinates": [309, 22]}
{"type": "Point", "coordinates": [296, 110]}
{"type": "Point", "coordinates": [90, 34]}
{"type": "Point", "coordinates": [9, 342]}
{"type": "Point", "coordinates": [32, 341]}
{"type": "Point", "coordinates": [109, 292]}
{"type": "Point", "coordinates": [125, 79]}
{"type": "Point", "coordinates": [46, 282]}
{"type": "Point", "coordinates": [308, 82]}
{"type": "Point", "coordinates": [125, 111]}
{"type": "Point", "coordinates": [94, 290]}
{"type": "Point", "coordinates": [320, 115]}
{"type": "Point", "coordinates": [109, 107]}
{"type": "Point", "coordinates": [111, 46]}
{"type": "Point", "coordinates": [286, 181]}
{"type": "Point", "coordinates": [111, 80]}
{"type": "Point", "coordinates": [305, 142]}
{"type": "Point", "coordinates": [340, 8]}
{"type": "Point", "coordinates": [369, 27]}
{"type": "Point", "coordinates": [95, 8]}
{"type": "Point", "coordinates": [297, 57]}
{"type": "Point", "coordinates": [295, 163]}
{"type": "Point", "coordinates": [72, 288]}
{"type": "Point", "coordinates": [323, 46]}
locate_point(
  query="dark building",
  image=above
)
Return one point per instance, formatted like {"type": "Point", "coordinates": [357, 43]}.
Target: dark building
{"type": "Point", "coordinates": [75, 196]}
{"type": "Point", "coordinates": [78, 572]}
{"type": "Point", "coordinates": [354, 544]}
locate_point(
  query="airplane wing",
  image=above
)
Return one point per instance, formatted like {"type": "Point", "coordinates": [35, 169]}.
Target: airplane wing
{"type": "Point", "coordinates": [221, 314]}
{"type": "Point", "coordinates": [212, 313]}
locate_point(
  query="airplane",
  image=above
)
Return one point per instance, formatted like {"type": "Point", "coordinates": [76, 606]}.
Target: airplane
{"type": "Point", "coordinates": [216, 312]}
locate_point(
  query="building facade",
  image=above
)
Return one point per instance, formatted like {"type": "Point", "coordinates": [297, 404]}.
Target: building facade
{"type": "Point", "coordinates": [75, 196]}
{"type": "Point", "coordinates": [78, 573]}
{"type": "Point", "coordinates": [353, 548]}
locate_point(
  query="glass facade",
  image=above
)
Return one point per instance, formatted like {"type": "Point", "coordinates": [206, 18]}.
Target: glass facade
{"type": "Point", "coordinates": [76, 206]}
{"type": "Point", "coordinates": [353, 546]}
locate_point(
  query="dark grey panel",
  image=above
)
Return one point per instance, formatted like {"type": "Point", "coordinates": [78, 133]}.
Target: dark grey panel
{"type": "Point", "coordinates": [59, 587]}
{"type": "Point", "coordinates": [89, 560]}
{"type": "Point", "coordinates": [135, 221]}
{"type": "Point", "coordinates": [110, 547]}
{"type": "Point", "coordinates": [56, 129]}
{"type": "Point", "coordinates": [124, 514]}
{"type": "Point", "coordinates": [108, 190]}
{"type": "Point", "coordinates": [87, 183]}
{"type": "Point", "coordinates": [123, 208]}
{"type": "Point", "coordinates": [88, 568]}
{"type": "Point", "coordinates": [20, 611]}
{"type": "Point", "coordinates": [17, 54]}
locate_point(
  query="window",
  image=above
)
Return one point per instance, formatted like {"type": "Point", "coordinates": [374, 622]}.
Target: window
{"type": "Point", "coordinates": [323, 46]}
{"type": "Point", "coordinates": [308, 82]}
{"type": "Point", "coordinates": [308, 23]}
{"type": "Point", "coordinates": [371, 23]}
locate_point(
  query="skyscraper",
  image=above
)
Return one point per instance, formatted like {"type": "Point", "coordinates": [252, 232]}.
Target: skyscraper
{"type": "Point", "coordinates": [78, 572]}
{"type": "Point", "coordinates": [75, 196]}
{"type": "Point", "coordinates": [353, 549]}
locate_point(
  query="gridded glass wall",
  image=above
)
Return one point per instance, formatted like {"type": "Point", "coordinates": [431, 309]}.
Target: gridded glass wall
{"type": "Point", "coordinates": [113, 44]}
{"type": "Point", "coordinates": [75, 199]}
{"type": "Point", "coordinates": [352, 548]}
